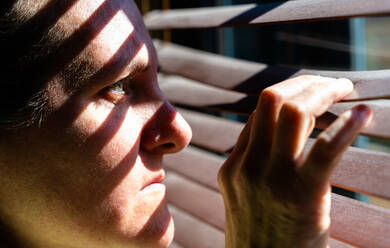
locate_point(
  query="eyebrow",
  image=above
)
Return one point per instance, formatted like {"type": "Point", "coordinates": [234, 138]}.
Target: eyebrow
{"type": "Point", "coordinates": [79, 73]}
{"type": "Point", "coordinates": [134, 72]}
{"type": "Point", "coordinates": [76, 74]}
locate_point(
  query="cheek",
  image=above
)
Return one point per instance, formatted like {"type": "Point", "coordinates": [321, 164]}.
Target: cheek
{"type": "Point", "coordinates": [108, 131]}
{"type": "Point", "coordinates": [117, 145]}
{"type": "Point", "coordinates": [111, 170]}
{"type": "Point", "coordinates": [111, 135]}
{"type": "Point", "coordinates": [99, 154]}
{"type": "Point", "coordinates": [101, 150]}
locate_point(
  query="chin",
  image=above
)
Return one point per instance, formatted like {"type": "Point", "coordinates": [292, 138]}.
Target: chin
{"type": "Point", "coordinates": [134, 220]}
{"type": "Point", "coordinates": [167, 238]}
{"type": "Point", "coordinates": [160, 229]}
{"type": "Point", "coordinates": [157, 232]}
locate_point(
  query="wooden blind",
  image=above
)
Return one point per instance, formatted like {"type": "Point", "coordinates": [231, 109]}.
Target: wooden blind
{"type": "Point", "coordinates": [195, 80]}
{"type": "Point", "coordinates": [268, 13]}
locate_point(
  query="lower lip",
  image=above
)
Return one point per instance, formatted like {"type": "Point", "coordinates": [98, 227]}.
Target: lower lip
{"type": "Point", "coordinates": [154, 187]}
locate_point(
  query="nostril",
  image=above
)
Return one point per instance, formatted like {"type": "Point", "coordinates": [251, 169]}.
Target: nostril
{"type": "Point", "coordinates": [169, 145]}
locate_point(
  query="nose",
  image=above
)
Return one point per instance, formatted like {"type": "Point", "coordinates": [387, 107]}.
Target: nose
{"type": "Point", "coordinates": [166, 131]}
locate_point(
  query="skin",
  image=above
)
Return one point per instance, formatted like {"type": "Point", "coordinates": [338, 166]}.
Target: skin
{"type": "Point", "coordinates": [91, 175]}
{"type": "Point", "coordinates": [274, 196]}
{"type": "Point", "coordinates": [83, 175]}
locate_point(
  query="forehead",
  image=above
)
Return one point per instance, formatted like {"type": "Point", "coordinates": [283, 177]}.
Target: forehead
{"type": "Point", "coordinates": [113, 32]}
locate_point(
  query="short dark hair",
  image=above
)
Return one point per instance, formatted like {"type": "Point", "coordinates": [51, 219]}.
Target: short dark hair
{"type": "Point", "coordinates": [39, 49]}
{"type": "Point", "coordinates": [24, 44]}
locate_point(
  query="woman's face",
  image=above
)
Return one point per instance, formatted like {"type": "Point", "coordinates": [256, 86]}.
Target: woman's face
{"type": "Point", "coordinates": [91, 175]}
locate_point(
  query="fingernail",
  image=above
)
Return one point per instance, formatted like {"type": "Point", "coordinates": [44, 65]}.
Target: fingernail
{"type": "Point", "coordinates": [363, 112]}
{"type": "Point", "coordinates": [348, 84]}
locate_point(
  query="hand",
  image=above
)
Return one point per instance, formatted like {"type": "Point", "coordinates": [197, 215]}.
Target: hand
{"type": "Point", "coordinates": [273, 196]}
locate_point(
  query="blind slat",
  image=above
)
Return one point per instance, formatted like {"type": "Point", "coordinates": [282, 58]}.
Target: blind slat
{"type": "Point", "coordinates": [175, 245]}
{"type": "Point", "coordinates": [177, 89]}
{"type": "Point", "coordinates": [205, 204]}
{"type": "Point", "coordinates": [252, 78]}
{"type": "Point", "coordinates": [191, 232]}
{"type": "Point", "coordinates": [266, 13]}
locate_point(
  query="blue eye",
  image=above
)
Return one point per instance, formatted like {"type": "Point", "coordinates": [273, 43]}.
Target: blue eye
{"type": "Point", "coordinates": [118, 87]}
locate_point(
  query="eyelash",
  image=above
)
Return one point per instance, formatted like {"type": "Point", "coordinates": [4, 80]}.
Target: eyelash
{"type": "Point", "coordinates": [118, 87]}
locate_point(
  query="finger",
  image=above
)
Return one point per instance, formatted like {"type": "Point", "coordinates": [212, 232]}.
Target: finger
{"type": "Point", "coordinates": [240, 146]}
{"type": "Point", "coordinates": [330, 145]}
{"type": "Point", "coordinates": [320, 95]}
{"type": "Point", "coordinates": [268, 108]}
{"type": "Point", "coordinates": [242, 141]}
{"type": "Point", "coordinates": [296, 120]}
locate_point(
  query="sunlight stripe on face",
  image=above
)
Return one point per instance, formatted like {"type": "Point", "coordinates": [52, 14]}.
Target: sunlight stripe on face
{"type": "Point", "coordinates": [116, 33]}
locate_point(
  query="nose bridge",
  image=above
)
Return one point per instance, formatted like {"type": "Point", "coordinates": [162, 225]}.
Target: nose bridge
{"type": "Point", "coordinates": [165, 130]}
{"type": "Point", "coordinates": [163, 115]}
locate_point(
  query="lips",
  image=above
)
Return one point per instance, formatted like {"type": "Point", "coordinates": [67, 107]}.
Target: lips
{"type": "Point", "coordinates": [155, 180]}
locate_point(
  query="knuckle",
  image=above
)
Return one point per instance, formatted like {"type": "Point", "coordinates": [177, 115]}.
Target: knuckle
{"type": "Point", "coordinates": [270, 97]}
{"type": "Point", "coordinates": [316, 78]}
{"type": "Point", "coordinates": [306, 77]}
{"type": "Point", "coordinates": [294, 108]}
{"type": "Point", "coordinates": [344, 80]}
{"type": "Point", "coordinates": [322, 156]}
{"type": "Point", "coordinates": [324, 149]}
{"type": "Point", "coordinates": [323, 140]}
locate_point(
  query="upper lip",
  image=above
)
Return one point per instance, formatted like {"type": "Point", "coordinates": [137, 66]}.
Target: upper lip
{"type": "Point", "coordinates": [156, 179]}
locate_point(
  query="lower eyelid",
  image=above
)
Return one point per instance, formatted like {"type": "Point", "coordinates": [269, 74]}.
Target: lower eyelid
{"type": "Point", "coordinates": [98, 103]}
{"type": "Point", "coordinates": [115, 97]}
{"type": "Point", "coordinates": [116, 91]}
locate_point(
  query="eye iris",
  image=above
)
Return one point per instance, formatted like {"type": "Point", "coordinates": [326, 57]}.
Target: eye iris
{"type": "Point", "coordinates": [118, 87]}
